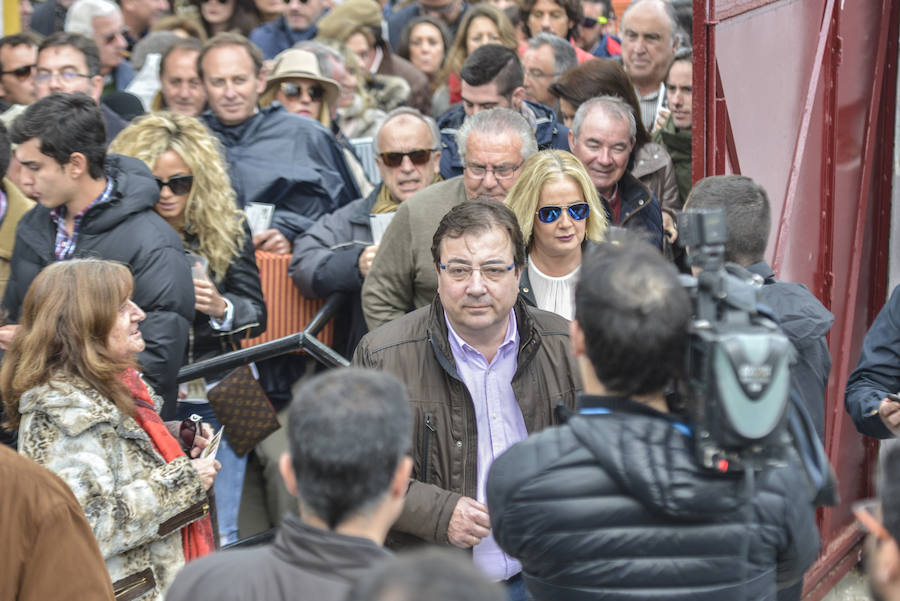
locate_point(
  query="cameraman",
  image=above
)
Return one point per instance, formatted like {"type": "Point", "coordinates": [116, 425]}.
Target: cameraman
{"type": "Point", "coordinates": [612, 505]}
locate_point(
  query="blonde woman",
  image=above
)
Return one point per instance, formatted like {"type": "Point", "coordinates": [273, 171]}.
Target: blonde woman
{"type": "Point", "coordinates": [557, 207]}
{"type": "Point", "coordinates": [197, 200]}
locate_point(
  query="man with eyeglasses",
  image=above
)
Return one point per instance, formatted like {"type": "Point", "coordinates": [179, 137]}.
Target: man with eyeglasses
{"type": "Point", "coordinates": [69, 63]}
{"type": "Point", "coordinates": [495, 143]}
{"type": "Point", "coordinates": [101, 20]}
{"type": "Point", "coordinates": [602, 137]}
{"type": "Point", "coordinates": [492, 76]}
{"type": "Point", "coordinates": [335, 254]}
{"type": "Point", "coordinates": [451, 12]}
{"type": "Point", "coordinates": [547, 57]}
{"type": "Point", "coordinates": [296, 23]}
{"type": "Point", "coordinates": [483, 370]}
{"type": "Point", "coordinates": [274, 157]}
{"type": "Point", "coordinates": [18, 58]}
{"type": "Point", "coordinates": [91, 204]}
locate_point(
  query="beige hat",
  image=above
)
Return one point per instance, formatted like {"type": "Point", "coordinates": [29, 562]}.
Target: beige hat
{"type": "Point", "coordinates": [347, 17]}
{"type": "Point", "coordinates": [299, 63]}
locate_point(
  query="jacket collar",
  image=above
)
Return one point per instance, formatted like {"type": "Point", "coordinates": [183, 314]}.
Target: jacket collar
{"type": "Point", "coordinates": [763, 270]}
{"type": "Point", "coordinates": [324, 551]}
{"type": "Point", "coordinates": [361, 216]}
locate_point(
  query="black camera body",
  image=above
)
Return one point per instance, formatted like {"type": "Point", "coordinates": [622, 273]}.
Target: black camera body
{"type": "Point", "coordinates": [737, 377]}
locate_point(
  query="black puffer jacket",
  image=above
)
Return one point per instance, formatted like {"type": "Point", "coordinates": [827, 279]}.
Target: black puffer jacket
{"type": "Point", "coordinates": [124, 229]}
{"type": "Point", "coordinates": [612, 506]}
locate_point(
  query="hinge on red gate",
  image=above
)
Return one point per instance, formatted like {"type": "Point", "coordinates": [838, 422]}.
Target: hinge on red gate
{"type": "Point", "coordinates": [838, 50]}
{"type": "Point", "coordinates": [828, 288]}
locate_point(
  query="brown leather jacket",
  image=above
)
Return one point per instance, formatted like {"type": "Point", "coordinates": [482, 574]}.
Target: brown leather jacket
{"type": "Point", "coordinates": [416, 349]}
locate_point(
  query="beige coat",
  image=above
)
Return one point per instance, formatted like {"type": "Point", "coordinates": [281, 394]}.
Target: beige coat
{"type": "Point", "coordinates": [17, 205]}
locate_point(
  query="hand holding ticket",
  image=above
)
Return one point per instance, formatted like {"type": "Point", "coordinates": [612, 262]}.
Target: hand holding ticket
{"type": "Point", "coordinates": [213, 446]}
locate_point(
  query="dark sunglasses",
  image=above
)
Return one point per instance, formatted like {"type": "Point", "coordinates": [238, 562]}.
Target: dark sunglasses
{"type": "Point", "coordinates": [188, 431]}
{"type": "Point", "coordinates": [577, 211]}
{"type": "Point", "coordinates": [207, 1]}
{"type": "Point", "coordinates": [289, 1]}
{"type": "Point", "coordinates": [21, 73]}
{"type": "Point", "coordinates": [111, 37]}
{"type": "Point", "coordinates": [589, 22]}
{"type": "Point", "coordinates": [419, 156]}
{"type": "Point", "coordinates": [293, 91]}
{"type": "Point", "coordinates": [179, 185]}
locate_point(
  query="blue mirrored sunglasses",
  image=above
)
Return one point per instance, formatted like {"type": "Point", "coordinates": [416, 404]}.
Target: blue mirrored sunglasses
{"type": "Point", "coordinates": [577, 211]}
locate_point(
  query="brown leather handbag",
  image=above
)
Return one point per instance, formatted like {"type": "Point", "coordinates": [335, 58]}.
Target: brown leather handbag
{"type": "Point", "coordinates": [242, 406]}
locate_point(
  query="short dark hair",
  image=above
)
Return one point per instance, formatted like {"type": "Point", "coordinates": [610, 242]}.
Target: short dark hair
{"type": "Point", "coordinates": [634, 313]}
{"type": "Point", "coordinates": [65, 124]}
{"type": "Point", "coordinates": [5, 150]}
{"type": "Point", "coordinates": [493, 62]}
{"type": "Point", "coordinates": [476, 217]}
{"type": "Point", "coordinates": [83, 44]}
{"type": "Point", "coordinates": [447, 575]}
{"type": "Point", "coordinates": [574, 13]}
{"type": "Point", "coordinates": [24, 38]}
{"type": "Point", "coordinates": [747, 214]}
{"type": "Point", "coordinates": [179, 45]}
{"type": "Point", "coordinates": [348, 430]}
{"type": "Point", "coordinates": [231, 38]}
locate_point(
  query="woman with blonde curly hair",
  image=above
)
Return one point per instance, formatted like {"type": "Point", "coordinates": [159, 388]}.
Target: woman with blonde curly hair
{"type": "Point", "coordinates": [197, 200]}
{"type": "Point", "coordinates": [483, 24]}
{"type": "Point", "coordinates": [557, 207]}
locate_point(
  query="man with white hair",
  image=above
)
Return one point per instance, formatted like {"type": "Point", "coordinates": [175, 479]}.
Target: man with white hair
{"type": "Point", "coordinates": [102, 21]}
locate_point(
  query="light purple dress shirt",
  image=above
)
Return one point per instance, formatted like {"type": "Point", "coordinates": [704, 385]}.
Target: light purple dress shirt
{"type": "Point", "coordinates": [498, 421]}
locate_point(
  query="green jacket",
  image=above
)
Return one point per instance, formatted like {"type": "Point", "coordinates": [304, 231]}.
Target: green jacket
{"type": "Point", "coordinates": [678, 143]}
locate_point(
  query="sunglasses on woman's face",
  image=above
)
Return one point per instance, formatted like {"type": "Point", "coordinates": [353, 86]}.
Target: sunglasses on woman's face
{"type": "Point", "coordinates": [21, 73]}
{"type": "Point", "coordinates": [577, 211]}
{"type": "Point", "coordinates": [420, 156]}
{"type": "Point", "coordinates": [180, 184]}
{"type": "Point", "coordinates": [294, 91]}
{"type": "Point", "coordinates": [219, 1]}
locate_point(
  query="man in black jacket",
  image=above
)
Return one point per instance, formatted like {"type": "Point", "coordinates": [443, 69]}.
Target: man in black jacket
{"type": "Point", "coordinates": [94, 205]}
{"type": "Point", "coordinates": [612, 505]}
{"type": "Point", "coordinates": [349, 435]}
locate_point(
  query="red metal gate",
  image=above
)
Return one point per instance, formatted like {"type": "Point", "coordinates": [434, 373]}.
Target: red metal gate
{"type": "Point", "coordinates": [800, 96]}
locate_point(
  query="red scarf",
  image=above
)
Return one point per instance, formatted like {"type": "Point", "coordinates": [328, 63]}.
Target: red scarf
{"type": "Point", "coordinates": [197, 537]}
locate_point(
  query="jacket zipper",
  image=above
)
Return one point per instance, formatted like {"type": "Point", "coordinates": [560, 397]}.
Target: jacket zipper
{"type": "Point", "coordinates": [134, 586]}
{"type": "Point", "coordinates": [192, 513]}
{"type": "Point", "coordinates": [426, 445]}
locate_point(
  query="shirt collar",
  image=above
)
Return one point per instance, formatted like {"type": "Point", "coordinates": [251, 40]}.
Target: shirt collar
{"type": "Point", "coordinates": [511, 338]}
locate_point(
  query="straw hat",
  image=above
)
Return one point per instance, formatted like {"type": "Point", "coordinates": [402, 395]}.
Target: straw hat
{"type": "Point", "coordinates": [293, 63]}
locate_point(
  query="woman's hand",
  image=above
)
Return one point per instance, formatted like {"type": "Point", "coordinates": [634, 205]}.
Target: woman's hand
{"type": "Point", "coordinates": [207, 468]}
{"type": "Point", "coordinates": [201, 441]}
{"type": "Point", "coordinates": [207, 298]}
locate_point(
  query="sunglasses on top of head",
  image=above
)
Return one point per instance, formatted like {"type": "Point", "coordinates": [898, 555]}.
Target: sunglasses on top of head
{"type": "Point", "coordinates": [577, 211]}
{"type": "Point", "coordinates": [180, 184]}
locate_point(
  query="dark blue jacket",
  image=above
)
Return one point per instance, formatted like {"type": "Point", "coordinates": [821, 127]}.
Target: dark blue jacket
{"type": "Point", "coordinates": [550, 133]}
{"type": "Point", "coordinates": [286, 160]}
{"type": "Point", "coordinates": [275, 36]}
{"type": "Point", "coordinates": [640, 209]}
{"type": "Point", "coordinates": [878, 371]}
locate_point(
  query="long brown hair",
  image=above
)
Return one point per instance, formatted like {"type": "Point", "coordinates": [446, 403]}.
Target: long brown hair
{"type": "Point", "coordinates": [67, 316]}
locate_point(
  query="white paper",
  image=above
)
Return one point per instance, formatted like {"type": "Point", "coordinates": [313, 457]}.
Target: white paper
{"type": "Point", "coordinates": [213, 446]}
{"type": "Point", "coordinates": [259, 216]}
{"type": "Point", "coordinates": [379, 223]}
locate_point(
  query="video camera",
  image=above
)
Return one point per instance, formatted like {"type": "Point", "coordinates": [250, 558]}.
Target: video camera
{"type": "Point", "coordinates": [737, 377]}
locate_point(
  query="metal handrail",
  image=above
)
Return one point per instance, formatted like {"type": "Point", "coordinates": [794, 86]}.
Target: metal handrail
{"type": "Point", "coordinates": [305, 340]}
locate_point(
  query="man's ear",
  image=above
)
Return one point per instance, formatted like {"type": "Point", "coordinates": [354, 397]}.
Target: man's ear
{"type": "Point", "coordinates": [516, 99]}
{"type": "Point", "coordinates": [287, 473]}
{"type": "Point", "coordinates": [571, 139]}
{"type": "Point", "coordinates": [576, 336]}
{"type": "Point", "coordinates": [261, 80]}
{"type": "Point", "coordinates": [96, 88]}
{"type": "Point", "coordinates": [400, 481]}
{"type": "Point", "coordinates": [77, 165]}
{"type": "Point", "coordinates": [437, 162]}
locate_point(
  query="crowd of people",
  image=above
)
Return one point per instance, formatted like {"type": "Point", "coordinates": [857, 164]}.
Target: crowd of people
{"type": "Point", "coordinates": [493, 191]}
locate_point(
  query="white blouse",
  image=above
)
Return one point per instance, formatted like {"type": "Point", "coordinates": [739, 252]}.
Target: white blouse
{"type": "Point", "coordinates": [556, 294]}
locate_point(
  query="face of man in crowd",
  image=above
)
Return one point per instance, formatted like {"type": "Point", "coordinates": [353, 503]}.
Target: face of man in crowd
{"type": "Point", "coordinates": [110, 39]}
{"type": "Point", "coordinates": [64, 69]}
{"type": "Point", "coordinates": [144, 12]}
{"type": "Point", "coordinates": [446, 10]}
{"type": "Point", "coordinates": [539, 74]}
{"type": "Point", "coordinates": [481, 98]}
{"type": "Point", "coordinates": [550, 17]}
{"type": "Point", "coordinates": [180, 84]}
{"type": "Point", "coordinates": [604, 146]}
{"type": "Point", "coordinates": [589, 36]}
{"type": "Point", "coordinates": [477, 304]}
{"type": "Point", "coordinates": [648, 45]}
{"type": "Point", "coordinates": [46, 180]}
{"type": "Point", "coordinates": [302, 15]}
{"type": "Point", "coordinates": [232, 86]}
{"type": "Point", "coordinates": [406, 133]}
{"type": "Point", "coordinates": [679, 91]}
{"type": "Point", "coordinates": [17, 81]}
{"type": "Point", "coordinates": [500, 156]}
